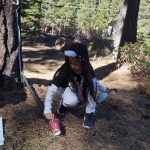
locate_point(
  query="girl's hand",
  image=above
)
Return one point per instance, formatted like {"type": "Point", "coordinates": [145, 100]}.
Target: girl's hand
{"type": "Point", "coordinates": [49, 116]}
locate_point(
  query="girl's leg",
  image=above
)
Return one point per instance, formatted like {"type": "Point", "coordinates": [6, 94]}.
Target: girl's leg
{"type": "Point", "coordinates": [101, 97]}
{"type": "Point", "coordinates": [89, 120]}
{"type": "Point", "coordinates": [100, 90]}
{"type": "Point", "coordinates": [69, 99]}
{"type": "Point", "coordinates": [91, 105]}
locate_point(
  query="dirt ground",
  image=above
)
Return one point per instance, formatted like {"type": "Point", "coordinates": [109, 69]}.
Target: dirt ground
{"type": "Point", "coordinates": [120, 122]}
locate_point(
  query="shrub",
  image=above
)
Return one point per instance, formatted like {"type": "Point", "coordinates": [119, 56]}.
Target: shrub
{"type": "Point", "coordinates": [138, 54]}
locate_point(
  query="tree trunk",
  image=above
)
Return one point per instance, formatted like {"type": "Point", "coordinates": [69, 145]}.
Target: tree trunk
{"type": "Point", "coordinates": [8, 44]}
{"type": "Point", "coordinates": [126, 27]}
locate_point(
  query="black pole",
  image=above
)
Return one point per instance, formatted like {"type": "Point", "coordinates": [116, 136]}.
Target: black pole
{"type": "Point", "coordinates": [19, 25]}
{"type": "Point", "coordinates": [18, 22]}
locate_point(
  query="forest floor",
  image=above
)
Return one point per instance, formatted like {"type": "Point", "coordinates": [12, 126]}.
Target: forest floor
{"type": "Point", "coordinates": [122, 122]}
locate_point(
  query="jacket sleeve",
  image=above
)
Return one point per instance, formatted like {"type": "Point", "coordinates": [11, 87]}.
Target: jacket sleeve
{"type": "Point", "coordinates": [49, 98]}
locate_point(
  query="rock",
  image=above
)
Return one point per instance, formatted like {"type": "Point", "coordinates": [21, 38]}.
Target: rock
{"type": "Point", "coordinates": [113, 91]}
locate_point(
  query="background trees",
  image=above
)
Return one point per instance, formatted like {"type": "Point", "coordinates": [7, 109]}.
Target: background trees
{"type": "Point", "coordinates": [87, 18]}
{"type": "Point", "coordinates": [126, 27]}
{"type": "Point", "coordinates": [74, 14]}
{"type": "Point", "coordinates": [78, 15]}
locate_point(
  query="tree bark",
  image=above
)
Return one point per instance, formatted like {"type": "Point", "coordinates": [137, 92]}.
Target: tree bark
{"type": "Point", "coordinates": [126, 27]}
{"type": "Point", "coordinates": [8, 43]}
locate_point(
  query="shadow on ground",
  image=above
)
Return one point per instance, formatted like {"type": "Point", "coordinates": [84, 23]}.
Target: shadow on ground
{"type": "Point", "coordinates": [118, 126]}
{"type": "Point", "coordinates": [42, 55]}
{"type": "Point", "coordinates": [11, 91]}
{"type": "Point", "coordinates": [12, 97]}
{"type": "Point", "coordinates": [100, 72]}
{"type": "Point", "coordinates": [104, 71]}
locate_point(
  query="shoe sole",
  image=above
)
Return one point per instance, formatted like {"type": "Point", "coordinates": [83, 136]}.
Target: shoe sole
{"type": "Point", "coordinates": [87, 127]}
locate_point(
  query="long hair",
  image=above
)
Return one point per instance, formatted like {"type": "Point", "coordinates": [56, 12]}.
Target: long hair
{"type": "Point", "coordinates": [87, 70]}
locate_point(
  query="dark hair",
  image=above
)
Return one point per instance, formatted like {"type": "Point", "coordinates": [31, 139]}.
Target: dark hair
{"type": "Point", "coordinates": [87, 69]}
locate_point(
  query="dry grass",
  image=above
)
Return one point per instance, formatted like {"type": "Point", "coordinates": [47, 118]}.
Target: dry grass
{"type": "Point", "coordinates": [119, 126]}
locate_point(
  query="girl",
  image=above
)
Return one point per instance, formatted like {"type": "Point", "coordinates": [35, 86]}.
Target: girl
{"type": "Point", "coordinates": [77, 78]}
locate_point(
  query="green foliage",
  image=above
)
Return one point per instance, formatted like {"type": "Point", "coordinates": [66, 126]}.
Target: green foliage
{"type": "Point", "coordinates": [30, 17]}
{"type": "Point", "coordinates": [72, 13]}
{"type": "Point", "coordinates": [144, 21]}
{"type": "Point", "coordinates": [138, 55]}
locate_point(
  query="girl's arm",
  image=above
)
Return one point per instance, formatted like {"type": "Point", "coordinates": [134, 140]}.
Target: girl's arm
{"type": "Point", "coordinates": [49, 98]}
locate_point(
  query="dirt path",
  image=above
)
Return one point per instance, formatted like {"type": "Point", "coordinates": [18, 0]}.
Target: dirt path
{"type": "Point", "coordinates": [119, 123]}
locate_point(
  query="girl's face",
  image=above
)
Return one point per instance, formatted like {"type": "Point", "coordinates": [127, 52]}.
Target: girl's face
{"type": "Point", "coordinates": [75, 64]}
